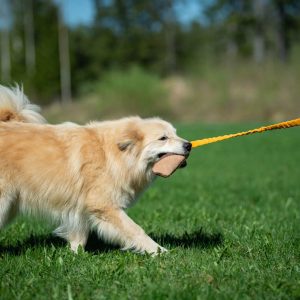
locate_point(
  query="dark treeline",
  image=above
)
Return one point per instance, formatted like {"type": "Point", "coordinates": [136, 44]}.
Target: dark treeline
{"type": "Point", "coordinates": [39, 50]}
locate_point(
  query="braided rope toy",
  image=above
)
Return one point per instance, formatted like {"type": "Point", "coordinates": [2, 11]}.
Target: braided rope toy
{"type": "Point", "coordinates": [287, 124]}
{"type": "Point", "coordinates": [169, 164]}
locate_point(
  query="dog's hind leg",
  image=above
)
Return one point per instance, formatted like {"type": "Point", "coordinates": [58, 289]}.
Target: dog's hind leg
{"type": "Point", "coordinates": [8, 207]}
{"type": "Point", "coordinates": [75, 232]}
{"type": "Point", "coordinates": [116, 227]}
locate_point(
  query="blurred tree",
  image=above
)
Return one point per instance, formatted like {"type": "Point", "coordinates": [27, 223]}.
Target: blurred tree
{"type": "Point", "coordinates": [64, 57]}
{"type": "Point", "coordinates": [232, 19]}
{"type": "Point", "coordinates": [170, 33]}
{"type": "Point", "coordinates": [286, 23]}
{"type": "Point", "coordinates": [5, 56]}
{"type": "Point", "coordinates": [259, 12]}
{"type": "Point", "coordinates": [5, 17]}
{"type": "Point", "coordinates": [43, 80]}
{"type": "Point", "coordinates": [29, 36]}
{"type": "Point", "coordinates": [266, 22]}
{"type": "Point", "coordinates": [138, 32]}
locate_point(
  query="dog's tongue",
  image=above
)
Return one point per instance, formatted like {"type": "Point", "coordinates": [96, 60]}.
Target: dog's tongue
{"type": "Point", "coordinates": [168, 164]}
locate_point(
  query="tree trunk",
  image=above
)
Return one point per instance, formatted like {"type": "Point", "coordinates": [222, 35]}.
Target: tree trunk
{"type": "Point", "coordinates": [29, 37]}
{"type": "Point", "coordinates": [258, 38]}
{"type": "Point", "coordinates": [282, 40]}
{"type": "Point", "coordinates": [5, 55]}
{"type": "Point", "coordinates": [258, 47]}
{"type": "Point", "coordinates": [231, 45]}
{"type": "Point", "coordinates": [170, 38]}
{"type": "Point", "coordinates": [65, 73]}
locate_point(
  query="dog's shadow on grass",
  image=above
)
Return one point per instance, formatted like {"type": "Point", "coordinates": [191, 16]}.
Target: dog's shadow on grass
{"type": "Point", "coordinates": [32, 242]}
{"type": "Point", "coordinates": [196, 239]}
{"type": "Point", "coordinates": [94, 244]}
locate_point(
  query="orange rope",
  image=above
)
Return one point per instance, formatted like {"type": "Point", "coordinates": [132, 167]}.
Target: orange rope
{"type": "Point", "coordinates": [281, 125]}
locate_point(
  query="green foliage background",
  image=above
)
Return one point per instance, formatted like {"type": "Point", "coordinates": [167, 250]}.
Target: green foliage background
{"type": "Point", "coordinates": [126, 59]}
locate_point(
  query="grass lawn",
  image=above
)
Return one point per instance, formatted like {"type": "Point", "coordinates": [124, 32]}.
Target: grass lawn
{"type": "Point", "coordinates": [231, 220]}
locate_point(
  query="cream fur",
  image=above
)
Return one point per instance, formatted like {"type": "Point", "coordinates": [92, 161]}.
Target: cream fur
{"type": "Point", "coordinates": [80, 177]}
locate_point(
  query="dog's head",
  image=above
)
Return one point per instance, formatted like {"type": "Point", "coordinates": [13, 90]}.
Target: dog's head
{"type": "Point", "coordinates": [145, 141]}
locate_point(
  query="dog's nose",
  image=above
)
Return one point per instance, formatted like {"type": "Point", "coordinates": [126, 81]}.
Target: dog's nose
{"type": "Point", "coordinates": [187, 146]}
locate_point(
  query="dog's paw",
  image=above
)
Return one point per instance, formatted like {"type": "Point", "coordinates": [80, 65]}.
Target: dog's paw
{"type": "Point", "coordinates": [160, 250]}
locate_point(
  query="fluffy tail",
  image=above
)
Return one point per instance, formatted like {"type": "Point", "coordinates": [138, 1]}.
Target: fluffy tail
{"type": "Point", "coordinates": [15, 106]}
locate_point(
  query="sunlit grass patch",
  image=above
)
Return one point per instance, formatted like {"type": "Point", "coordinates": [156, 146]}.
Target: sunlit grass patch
{"type": "Point", "coordinates": [230, 219]}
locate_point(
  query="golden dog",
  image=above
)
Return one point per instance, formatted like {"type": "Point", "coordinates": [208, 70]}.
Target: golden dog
{"type": "Point", "coordinates": [81, 177]}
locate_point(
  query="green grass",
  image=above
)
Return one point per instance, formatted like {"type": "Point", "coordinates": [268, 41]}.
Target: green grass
{"type": "Point", "coordinates": [231, 220]}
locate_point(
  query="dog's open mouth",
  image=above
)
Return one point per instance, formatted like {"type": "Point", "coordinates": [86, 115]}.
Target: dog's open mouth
{"type": "Point", "coordinates": [163, 154]}
{"type": "Point", "coordinates": [183, 163]}
{"type": "Point", "coordinates": [168, 163]}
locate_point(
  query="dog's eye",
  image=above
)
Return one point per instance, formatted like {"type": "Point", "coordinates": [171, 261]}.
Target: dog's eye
{"type": "Point", "coordinates": [163, 138]}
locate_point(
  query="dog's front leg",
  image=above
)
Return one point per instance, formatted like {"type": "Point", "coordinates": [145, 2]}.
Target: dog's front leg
{"type": "Point", "coordinates": [116, 227]}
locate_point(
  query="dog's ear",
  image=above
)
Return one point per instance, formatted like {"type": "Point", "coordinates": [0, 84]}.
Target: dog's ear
{"type": "Point", "coordinates": [129, 139]}
{"type": "Point", "coordinates": [124, 145]}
